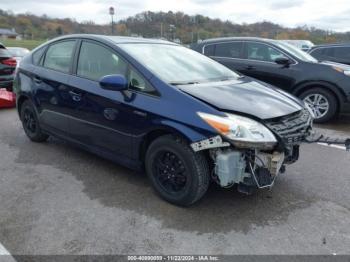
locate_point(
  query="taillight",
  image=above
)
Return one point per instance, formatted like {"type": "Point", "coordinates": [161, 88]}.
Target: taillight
{"type": "Point", "coordinates": [9, 62]}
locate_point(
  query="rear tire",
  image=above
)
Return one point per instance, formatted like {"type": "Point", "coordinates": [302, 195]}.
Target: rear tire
{"type": "Point", "coordinates": [177, 173]}
{"type": "Point", "coordinates": [322, 102]}
{"type": "Point", "coordinates": [31, 124]}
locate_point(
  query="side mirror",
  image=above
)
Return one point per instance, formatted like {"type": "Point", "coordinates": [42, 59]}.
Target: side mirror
{"type": "Point", "coordinates": [114, 83]}
{"type": "Point", "coordinates": [282, 61]}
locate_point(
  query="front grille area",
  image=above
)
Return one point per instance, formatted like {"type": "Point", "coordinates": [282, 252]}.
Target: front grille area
{"type": "Point", "coordinates": [292, 129]}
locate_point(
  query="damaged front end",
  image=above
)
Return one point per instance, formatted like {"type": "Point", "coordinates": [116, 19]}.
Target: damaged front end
{"type": "Point", "coordinates": [252, 154]}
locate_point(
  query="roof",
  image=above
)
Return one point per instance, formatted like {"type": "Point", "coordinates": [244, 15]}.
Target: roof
{"type": "Point", "coordinates": [117, 39]}
{"type": "Point", "coordinates": [223, 39]}
{"type": "Point", "coordinates": [4, 31]}
{"type": "Point", "coordinates": [331, 45]}
{"type": "Point", "coordinates": [124, 39]}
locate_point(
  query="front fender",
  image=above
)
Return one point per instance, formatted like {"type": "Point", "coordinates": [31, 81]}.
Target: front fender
{"type": "Point", "coordinates": [190, 133]}
{"type": "Point", "coordinates": [162, 127]}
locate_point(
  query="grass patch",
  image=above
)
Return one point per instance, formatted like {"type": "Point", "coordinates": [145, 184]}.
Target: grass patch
{"type": "Point", "coordinates": [30, 44]}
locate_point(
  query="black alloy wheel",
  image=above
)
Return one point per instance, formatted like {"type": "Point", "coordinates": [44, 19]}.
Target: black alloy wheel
{"type": "Point", "coordinates": [31, 124]}
{"type": "Point", "coordinates": [177, 173]}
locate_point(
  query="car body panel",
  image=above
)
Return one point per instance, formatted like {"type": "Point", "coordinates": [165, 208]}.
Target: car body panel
{"type": "Point", "coordinates": [329, 52]}
{"type": "Point", "coordinates": [115, 124]}
{"type": "Point", "coordinates": [245, 96]}
{"type": "Point", "coordinates": [294, 78]}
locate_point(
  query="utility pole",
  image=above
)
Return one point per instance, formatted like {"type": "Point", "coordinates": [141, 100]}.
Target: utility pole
{"type": "Point", "coordinates": [172, 29]}
{"type": "Point", "coordinates": [111, 12]}
{"type": "Point", "coordinates": [194, 28]}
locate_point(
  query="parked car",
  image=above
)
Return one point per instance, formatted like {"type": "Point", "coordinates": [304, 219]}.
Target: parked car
{"type": "Point", "coordinates": [304, 45]}
{"type": "Point", "coordinates": [18, 52]}
{"type": "Point", "coordinates": [339, 53]}
{"type": "Point", "coordinates": [154, 105]}
{"type": "Point", "coordinates": [7, 68]}
{"type": "Point", "coordinates": [324, 86]}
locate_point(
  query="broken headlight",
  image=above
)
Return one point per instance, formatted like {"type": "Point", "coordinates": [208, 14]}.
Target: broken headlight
{"type": "Point", "coordinates": [243, 132]}
{"type": "Point", "coordinates": [309, 109]}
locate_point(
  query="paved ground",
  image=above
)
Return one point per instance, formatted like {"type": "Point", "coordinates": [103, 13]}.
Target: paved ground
{"type": "Point", "coordinates": [55, 199]}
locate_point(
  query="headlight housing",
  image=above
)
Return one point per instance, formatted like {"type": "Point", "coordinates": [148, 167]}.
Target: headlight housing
{"type": "Point", "coordinates": [243, 132]}
{"type": "Point", "coordinates": [308, 107]}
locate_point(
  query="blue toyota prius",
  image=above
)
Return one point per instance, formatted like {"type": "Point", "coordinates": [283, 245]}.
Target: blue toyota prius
{"type": "Point", "coordinates": [156, 106]}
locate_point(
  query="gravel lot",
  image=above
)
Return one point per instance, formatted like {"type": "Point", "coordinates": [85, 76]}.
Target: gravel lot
{"type": "Point", "coordinates": [56, 199]}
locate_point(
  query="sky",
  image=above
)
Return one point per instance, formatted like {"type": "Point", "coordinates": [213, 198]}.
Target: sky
{"type": "Point", "coordinates": [325, 14]}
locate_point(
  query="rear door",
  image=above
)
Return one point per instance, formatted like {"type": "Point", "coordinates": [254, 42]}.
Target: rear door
{"type": "Point", "coordinates": [50, 85]}
{"type": "Point", "coordinates": [229, 54]}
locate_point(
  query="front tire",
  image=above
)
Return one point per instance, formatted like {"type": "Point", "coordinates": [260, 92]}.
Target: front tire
{"type": "Point", "coordinates": [31, 124]}
{"type": "Point", "coordinates": [177, 173]}
{"type": "Point", "coordinates": [322, 102]}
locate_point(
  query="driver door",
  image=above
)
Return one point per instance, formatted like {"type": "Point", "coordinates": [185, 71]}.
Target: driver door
{"type": "Point", "coordinates": [98, 117]}
{"type": "Point", "coordinates": [260, 64]}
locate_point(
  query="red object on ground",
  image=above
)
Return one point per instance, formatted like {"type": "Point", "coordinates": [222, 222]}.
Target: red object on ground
{"type": "Point", "coordinates": [7, 99]}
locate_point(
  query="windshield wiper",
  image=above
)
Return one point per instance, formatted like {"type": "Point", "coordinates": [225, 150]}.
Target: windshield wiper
{"type": "Point", "coordinates": [183, 83]}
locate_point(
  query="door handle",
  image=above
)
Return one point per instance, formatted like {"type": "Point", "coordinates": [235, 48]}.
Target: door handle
{"type": "Point", "coordinates": [250, 67]}
{"type": "Point", "coordinates": [72, 93]}
{"type": "Point", "coordinates": [37, 80]}
{"type": "Point", "coordinates": [75, 96]}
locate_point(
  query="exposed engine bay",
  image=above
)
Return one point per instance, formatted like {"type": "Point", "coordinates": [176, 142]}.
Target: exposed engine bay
{"type": "Point", "coordinates": [257, 168]}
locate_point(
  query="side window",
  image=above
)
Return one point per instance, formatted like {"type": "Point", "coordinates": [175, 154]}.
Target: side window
{"type": "Point", "coordinates": [262, 52]}
{"type": "Point", "coordinates": [59, 56]}
{"type": "Point", "coordinates": [37, 56]}
{"type": "Point", "coordinates": [328, 51]}
{"type": "Point", "coordinates": [317, 53]}
{"type": "Point", "coordinates": [138, 83]}
{"type": "Point", "coordinates": [342, 52]}
{"type": "Point", "coordinates": [96, 61]}
{"type": "Point", "coordinates": [209, 50]}
{"type": "Point", "coordinates": [230, 50]}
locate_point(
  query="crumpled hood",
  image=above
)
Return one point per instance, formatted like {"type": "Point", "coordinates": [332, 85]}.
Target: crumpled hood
{"type": "Point", "coordinates": [246, 96]}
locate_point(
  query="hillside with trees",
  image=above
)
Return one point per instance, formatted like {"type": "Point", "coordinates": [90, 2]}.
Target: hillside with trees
{"type": "Point", "coordinates": [169, 25]}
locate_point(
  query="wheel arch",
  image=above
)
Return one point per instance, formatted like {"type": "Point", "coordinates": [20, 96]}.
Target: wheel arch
{"type": "Point", "coordinates": [339, 95]}
{"type": "Point", "coordinates": [20, 100]}
{"type": "Point", "coordinates": [167, 128]}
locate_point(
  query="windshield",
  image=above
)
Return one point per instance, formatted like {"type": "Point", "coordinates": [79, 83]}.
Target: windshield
{"type": "Point", "coordinates": [178, 65]}
{"type": "Point", "coordinates": [296, 52]}
{"type": "Point", "coordinates": [18, 52]}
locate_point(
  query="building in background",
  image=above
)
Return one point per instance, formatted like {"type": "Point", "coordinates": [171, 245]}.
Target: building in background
{"type": "Point", "coordinates": [8, 33]}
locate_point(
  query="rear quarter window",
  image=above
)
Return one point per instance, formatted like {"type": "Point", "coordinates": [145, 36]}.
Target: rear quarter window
{"type": "Point", "coordinates": [37, 56]}
{"type": "Point", "coordinates": [59, 56]}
